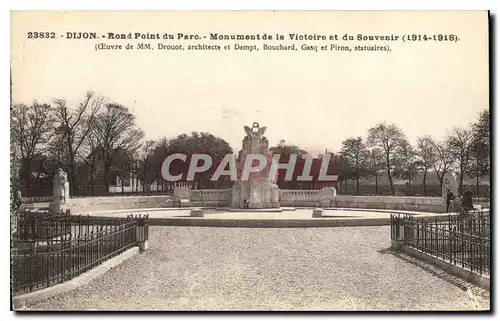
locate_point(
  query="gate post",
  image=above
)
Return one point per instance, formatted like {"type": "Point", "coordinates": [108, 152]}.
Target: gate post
{"type": "Point", "coordinates": [142, 232]}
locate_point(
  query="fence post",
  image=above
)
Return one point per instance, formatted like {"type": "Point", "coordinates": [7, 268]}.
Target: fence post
{"type": "Point", "coordinates": [142, 232]}
{"type": "Point", "coordinates": [397, 227]}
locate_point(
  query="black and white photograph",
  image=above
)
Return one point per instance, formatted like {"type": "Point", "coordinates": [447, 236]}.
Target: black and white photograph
{"type": "Point", "coordinates": [250, 161]}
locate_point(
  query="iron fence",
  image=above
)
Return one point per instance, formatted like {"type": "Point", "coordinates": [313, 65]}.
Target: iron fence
{"type": "Point", "coordinates": [462, 240]}
{"type": "Point", "coordinates": [50, 249]}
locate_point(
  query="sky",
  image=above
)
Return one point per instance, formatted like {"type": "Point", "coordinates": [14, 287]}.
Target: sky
{"type": "Point", "coordinates": [312, 99]}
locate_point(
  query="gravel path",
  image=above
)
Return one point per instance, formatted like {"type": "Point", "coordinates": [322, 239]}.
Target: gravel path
{"type": "Point", "coordinates": [202, 268]}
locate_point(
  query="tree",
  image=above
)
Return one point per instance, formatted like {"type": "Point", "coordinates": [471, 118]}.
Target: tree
{"type": "Point", "coordinates": [73, 126]}
{"type": "Point", "coordinates": [160, 152]}
{"type": "Point", "coordinates": [123, 165]}
{"type": "Point", "coordinates": [460, 143]}
{"type": "Point", "coordinates": [93, 152]}
{"type": "Point", "coordinates": [337, 162]}
{"type": "Point", "coordinates": [145, 161]}
{"type": "Point", "coordinates": [31, 126]}
{"type": "Point", "coordinates": [426, 157]}
{"type": "Point", "coordinates": [116, 130]}
{"type": "Point", "coordinates": [388, 138]}
{"type": "Point", "coordinates": [285, 149]}
{"type": "Point", "coordinates": [355, 155]}
{"type": "Point", "coordinates": [480, 148]}
{"type": "Point", "coordinates": [444, 160]}
{"type": "Point", "coordinates": [375, 164]}
{"type": "Point", "coordinates": [58, 152]}
{"type": "Point", "coordinates": [197, 143]}
{"type": "Point", "coordinates": [406, 163]}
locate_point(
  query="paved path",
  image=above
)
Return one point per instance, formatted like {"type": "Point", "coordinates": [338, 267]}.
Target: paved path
{"type": "Point", "coordinates": [202, 268]}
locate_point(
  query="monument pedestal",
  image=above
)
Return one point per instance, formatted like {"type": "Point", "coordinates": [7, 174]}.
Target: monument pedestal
{"type": "Point", "coordinates": [57, 208]}
{"type": "Point", "coordinates": [275, 205]}
{"type": "Point", "coordinates": [317, 212]}
{"type": "Point", "coordinates": [255, 205]}
{"type": "Point", "coordinates": [196, 212]}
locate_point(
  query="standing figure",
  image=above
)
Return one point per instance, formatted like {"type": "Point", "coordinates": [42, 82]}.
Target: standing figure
{"type": "Point", "coordinates": [449, 198]}
{"type": "Point", "coordinates": [18, 199]}
{"type": "Point", "coordinates": [467, 200]}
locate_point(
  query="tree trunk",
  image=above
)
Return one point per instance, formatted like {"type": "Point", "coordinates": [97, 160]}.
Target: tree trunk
{"type": "Point", "coordinates": [106, 177]}
{"type": "Point", "coordinates": [460, 187]}
{"type": "Point", "coordinates": [390, 180]}
{"type": "Point", "coordinates": [388, 164]}
{"type": "Point", "coordinates": [376, 184]}
{"type": "Point", "coordinates": [357, 184]}
{"type": "Point", "coordinates": [72, 175]}
{"type": "Point", "coordinates": [424, 182]}
{"type": "Point", "coordinates": [441, 179]}
{"type": "Point", "coordinates": [477, 187]}
{"type": "Point", "coordinates": [121, 180]}
{"type": "Point", "coordinates": [91, 181]}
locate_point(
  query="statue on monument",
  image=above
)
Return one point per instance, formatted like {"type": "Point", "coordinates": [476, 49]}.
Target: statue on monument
{"type": "Point", "coordinates": [256, 132]}
{"type": "Point", "coordinates": [60, 201]}
{"type": "Point", "coordinates": [61, 186]}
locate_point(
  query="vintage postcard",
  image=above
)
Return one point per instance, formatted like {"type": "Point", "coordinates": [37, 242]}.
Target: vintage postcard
{"type": "Point", "coordinates": [250, 160]}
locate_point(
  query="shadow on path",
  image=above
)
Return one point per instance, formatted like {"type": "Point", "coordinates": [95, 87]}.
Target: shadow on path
{"type": "Point", "coordinates": [430, 268]}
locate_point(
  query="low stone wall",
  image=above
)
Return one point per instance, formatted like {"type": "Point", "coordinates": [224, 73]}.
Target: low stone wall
{"type": "Point", "coordinates": [299, 198]}
{"type": "Point", "coordinates": [210, 197]}
{"type": "Point", "coordinates": [288, 198]}
{"type": "Point", "coordinates": [326, 198]}
{"type": "Point", "coordinates": [82, 205]}
{"type": "Point", "coordinates": [421, 204]}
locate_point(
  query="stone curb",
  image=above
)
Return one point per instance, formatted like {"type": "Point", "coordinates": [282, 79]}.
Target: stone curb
{"type": "Point", "coordinates": [268, 223]}
{"type": "Point", "coordinates": [207, 221]}
{"type": "Point", "coordinates": [24, 299]}
{"type": "Point", "coordinates": [378, 210]}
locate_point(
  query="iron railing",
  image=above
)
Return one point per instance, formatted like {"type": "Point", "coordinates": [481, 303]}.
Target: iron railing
{"type": "Point", "coordinates": [462, 240]}
{"type": "Point", "coordinates": [50, 249]}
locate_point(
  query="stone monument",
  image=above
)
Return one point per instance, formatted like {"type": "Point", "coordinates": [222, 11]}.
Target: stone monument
{"type": "Point", "coordinates": [60, 202]}
{"type": "Point", "coordinates": [259, 191]}
{"type": "Point", "coordinates": [450, 181]}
